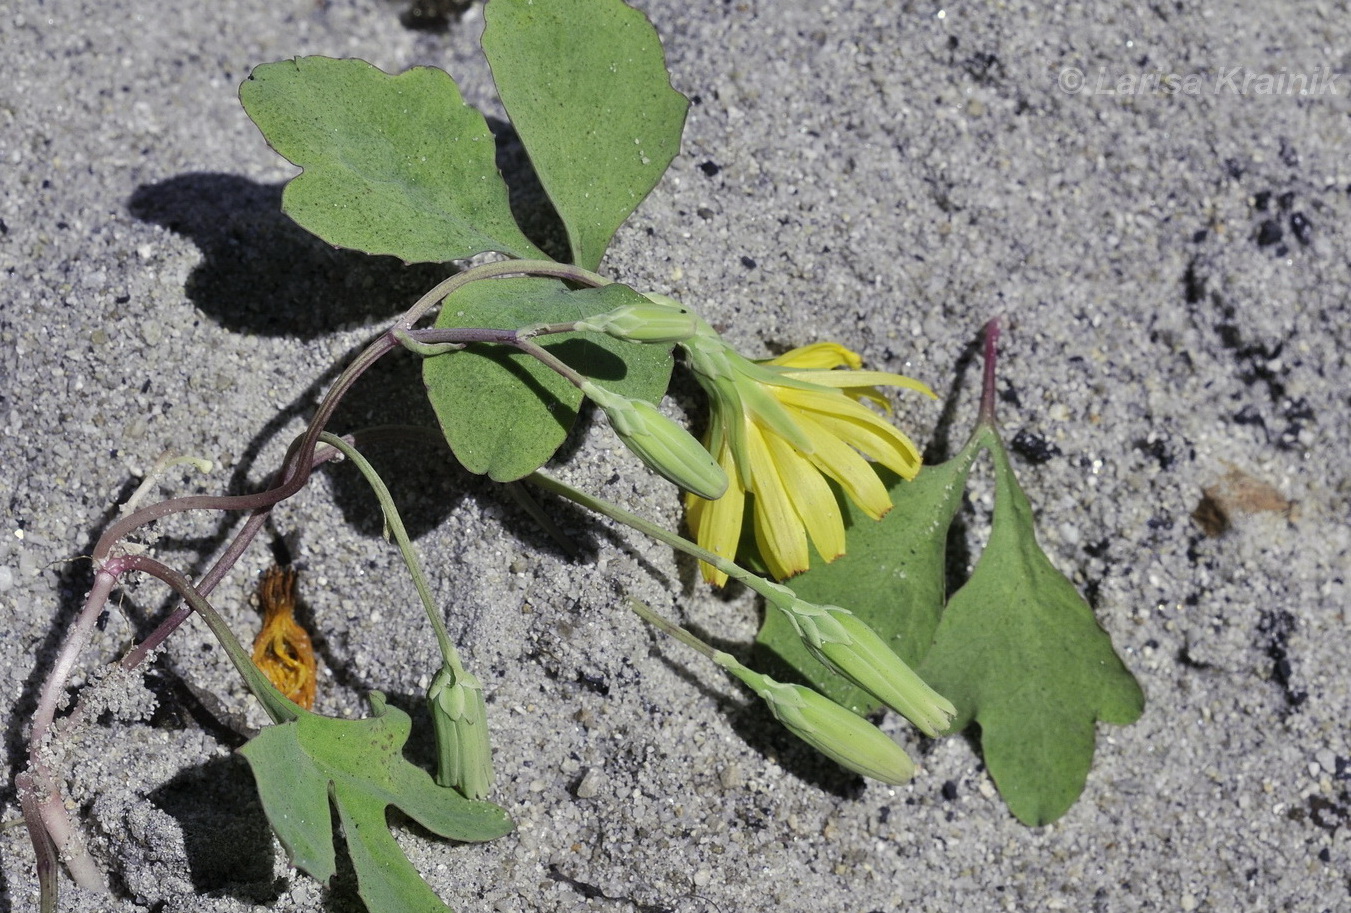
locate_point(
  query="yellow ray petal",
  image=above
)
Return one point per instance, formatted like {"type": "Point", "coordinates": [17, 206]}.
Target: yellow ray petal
{"type": "Point", "coordinates": [811, 497]}
{"type": "Point", "coordinates": [861, 379]}
{"type": "Point", "coordinates": [778, 530]}
{"type": "Point", "coordinates": [878, 441]}
{"type": "Point", "coordinates": [852, 472]}
{"type": "Point", "coordinates": [859, 427]}
{"type": "Point", "coordinates": [717, 524]}
{"type": "Point", "coordinates": [819, 356]}
{"type": "Point", "coordinates": [871, 394]}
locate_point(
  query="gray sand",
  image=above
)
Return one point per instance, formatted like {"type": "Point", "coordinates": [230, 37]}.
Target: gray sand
{"type": "Point", "coordinates": [887, 175]}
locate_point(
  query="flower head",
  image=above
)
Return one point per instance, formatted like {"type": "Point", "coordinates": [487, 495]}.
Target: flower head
{"type": "Point", "coordinates": [780, 429]}
{"type": "Point", "coordinates": [282, 648]}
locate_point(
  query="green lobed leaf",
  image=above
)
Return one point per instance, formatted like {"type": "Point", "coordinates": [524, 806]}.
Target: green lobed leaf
{"type": "Point", "coordinates": [358, 765]}
{"type": "Point", "coordinates": [392, 164]}
{"type": "Point", "coordinates": [892, 577]}
{"type": "Point", "coordinates": [1019, 652]}
{"type": "Point", "coordinates": [502, 412]}
{"type": "Point", "coordinates": [1016, 649]}
{"type": "Point", "coordinates": [586, 87]}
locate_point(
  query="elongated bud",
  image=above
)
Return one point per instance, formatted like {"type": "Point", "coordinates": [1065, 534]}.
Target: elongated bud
{"type": "Point", "coordinates": [664, 446]}
{"type": "Point", "coordinates": [661, 319]}
{"type": "Point", "coordinates": [837, 732]}
{"type": "Point", "coordinates": [464, 757]}
{"type": "Point", "coordinates": [842, 640]}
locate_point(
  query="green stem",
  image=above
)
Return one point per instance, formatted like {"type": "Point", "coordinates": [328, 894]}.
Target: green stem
{"type": "Point", "coordinates": [728, 662]}
{"type": "Point", "coordinates": [442, 290]}
{"type": "Point", "coordinates": [396, 528]}
{"type": "Point", "coordinates": [773, 592]}
{"type": "Point", "coordinates": [551, 361]}
{"type": "Point", "coordinates": [278, 707]}
{"type": "Point", "coordinates": [425, 349]}
{"type": "Point", "coordinates": [671, 629]}
{"type": "Point", "coordinates": [519, 339]}
{"type": "Point", "coordinates": [440, 341]}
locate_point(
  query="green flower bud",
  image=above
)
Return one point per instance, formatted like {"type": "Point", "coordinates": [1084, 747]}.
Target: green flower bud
{"type": "Point", "coordinates": [661, 319]}
{"type": "Point", "coordinates": [664, 446]}
{"type": "Point", "coordinates": [838, 733]}
{"type": "Point", "coordinates": [464, 758]}
{"type": "Point", "coordinates": [842, 641]}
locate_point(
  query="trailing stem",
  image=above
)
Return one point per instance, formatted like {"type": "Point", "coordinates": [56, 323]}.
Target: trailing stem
{"type": "Point", "coordinates": [53, 835]}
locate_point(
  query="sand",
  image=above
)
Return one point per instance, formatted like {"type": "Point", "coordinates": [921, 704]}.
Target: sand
{"type": "Point", "coordinates": [1143, 194]}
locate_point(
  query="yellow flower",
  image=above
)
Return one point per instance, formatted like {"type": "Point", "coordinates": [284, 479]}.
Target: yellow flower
{"type": "Point", "coordinates": [780, 429]}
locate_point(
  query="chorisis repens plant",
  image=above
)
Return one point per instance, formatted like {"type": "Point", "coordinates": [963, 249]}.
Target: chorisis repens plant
{"type": "Point", "coordinates": [511, 346]}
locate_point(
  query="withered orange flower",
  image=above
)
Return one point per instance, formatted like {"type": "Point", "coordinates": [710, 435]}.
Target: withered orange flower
{"type": "Point", "coordinates": [282, 648]}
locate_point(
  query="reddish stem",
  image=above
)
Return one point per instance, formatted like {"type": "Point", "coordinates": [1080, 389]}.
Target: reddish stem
{"type": "Point", "coordinates": [987, 389]}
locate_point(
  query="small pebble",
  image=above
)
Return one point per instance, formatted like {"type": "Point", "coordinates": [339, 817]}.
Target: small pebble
{"type": "Point", "coordinates": [590, 785]}
{"type": "Point", "coordinates": [730, 777]}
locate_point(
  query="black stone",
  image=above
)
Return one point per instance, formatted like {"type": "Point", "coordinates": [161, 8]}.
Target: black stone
{"type": "Point", "coordinates": [1033, 447]}
{"type": "Point", "coordinates": [1268, 233]}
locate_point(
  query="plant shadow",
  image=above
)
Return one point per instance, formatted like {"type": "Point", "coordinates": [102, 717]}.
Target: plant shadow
{"type": "Point", "coordinates": [941, 448]}
{"type": "Point", "coordinates": [752, 721]}
{"type": "Point", "coordinates": [226, 836]}
{"type": "Point", "coordinates": [262, 273]}
{"type": "Point", "coordinates": [530, 205]}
